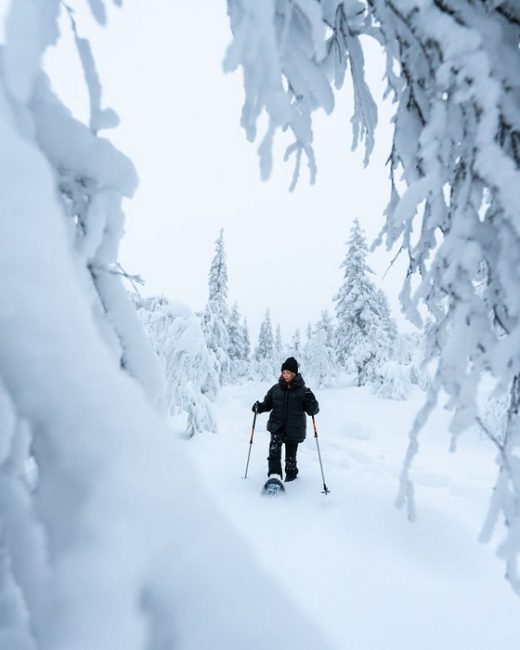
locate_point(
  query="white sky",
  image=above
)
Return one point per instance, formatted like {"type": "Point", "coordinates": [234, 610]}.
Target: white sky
{"type": "Point", "coordinates": [160, 65]}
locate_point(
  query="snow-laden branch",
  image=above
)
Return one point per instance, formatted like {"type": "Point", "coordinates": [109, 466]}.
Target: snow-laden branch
{"type": "Point", "coordinates": [99, 118]}
{"type": "Point", "coordinates": [289, 51]}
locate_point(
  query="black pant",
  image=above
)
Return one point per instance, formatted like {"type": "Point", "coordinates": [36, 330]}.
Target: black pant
{"type": "Point", "coordinates": [275, 455]}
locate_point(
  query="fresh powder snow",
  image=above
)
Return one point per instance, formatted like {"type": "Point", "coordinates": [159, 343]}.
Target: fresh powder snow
{"type": "Point", "coordinates": [353, 563]}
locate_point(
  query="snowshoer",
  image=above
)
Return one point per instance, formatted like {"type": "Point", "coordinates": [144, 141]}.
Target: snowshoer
{"type": "Point", "coordinates": [288, 400]}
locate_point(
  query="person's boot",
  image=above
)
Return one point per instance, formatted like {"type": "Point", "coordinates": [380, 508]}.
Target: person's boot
{"type": "Point", "coordinates": [291, 471]}
{"type": "Point", "coordinates": [274, 466]}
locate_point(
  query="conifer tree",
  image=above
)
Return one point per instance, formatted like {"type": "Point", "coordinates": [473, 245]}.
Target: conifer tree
{"type": "Point", "coordinates": [265, 347]}
{"type": "Point", "coordinates": [235, 334]}
{"type": "Point", "coordinates": [218, 277]}
{"type": "Point", "coordinates": [365, 330]}
{"type": "Point", "coordinates": [387, 321]}
{"type": "Point", "coordinates": [295, 348]}
{"type": "Point", "coordinates": [239, 346]}
{"type": "Point", "coordinates": [264, 353]}
{"type": "Point", "coordinates": [319, 355]}
{"type": "Point", "coordinates": [216, 313]}
{"type": "Point", "coordinates": [326, 324]}
{"type": "Point", "coordinates": [246, 341]}
{"type": "Point", "coordinates": [278, 346]}
{"type": "Point", "coordinates": [319, 359]}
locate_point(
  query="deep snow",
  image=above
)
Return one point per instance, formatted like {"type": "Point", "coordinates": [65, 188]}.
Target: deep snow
{"type": "Point", "coordinates": [354, 564]}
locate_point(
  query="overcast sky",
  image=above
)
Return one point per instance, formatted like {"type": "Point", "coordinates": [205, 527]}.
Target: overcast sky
{"type": "Point", "coordinates": [160, 65]}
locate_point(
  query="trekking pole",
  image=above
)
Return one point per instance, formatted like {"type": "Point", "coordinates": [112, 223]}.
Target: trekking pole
{"type": "Point", "coordinates": [325, 488]}
{"type": "Point", "coordinates": [251, 440]}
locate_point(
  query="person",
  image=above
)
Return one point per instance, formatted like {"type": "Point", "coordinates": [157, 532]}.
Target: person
{"type": "Point", "coordinates": [288, 400]}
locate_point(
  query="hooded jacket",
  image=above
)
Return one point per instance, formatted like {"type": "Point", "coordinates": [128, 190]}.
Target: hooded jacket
{"type": "Point", "coordinates": [288, 404]}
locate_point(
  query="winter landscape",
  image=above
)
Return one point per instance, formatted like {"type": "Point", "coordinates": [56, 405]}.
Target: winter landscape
{"type": "Point", "coordinates": [172, 288]}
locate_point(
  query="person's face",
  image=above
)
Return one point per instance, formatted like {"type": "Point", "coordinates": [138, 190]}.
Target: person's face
{"type": "Point", "coordinates": [288, 376]}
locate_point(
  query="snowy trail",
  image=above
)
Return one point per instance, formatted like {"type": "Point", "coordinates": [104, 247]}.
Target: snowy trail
{"type": "Point", "coordinates": [352, 562]}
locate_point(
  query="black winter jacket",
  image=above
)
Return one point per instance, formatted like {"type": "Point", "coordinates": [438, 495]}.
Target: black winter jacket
{"type": "Point", "coordinates": [288, 404]}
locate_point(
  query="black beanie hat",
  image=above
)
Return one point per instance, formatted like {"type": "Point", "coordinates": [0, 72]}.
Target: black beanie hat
{"type": "Point", "coordinates": [290, 364]}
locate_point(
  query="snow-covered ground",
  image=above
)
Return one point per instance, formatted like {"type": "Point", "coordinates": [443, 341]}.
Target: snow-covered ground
{"type": "Point", "coordinates": [354, 564]}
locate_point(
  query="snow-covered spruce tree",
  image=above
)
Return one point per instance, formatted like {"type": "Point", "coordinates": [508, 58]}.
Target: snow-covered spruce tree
{"type": "Point", "coordinates": [452, 69]}
{"type": "Point", "coordinates": [319, 353]}
{"type": "Point", "coordinates": [215, 316]}
{"type": "Point", "coordinates": [234, 334]}
{"type": "Point", "coordinates": [387, 321]}
{"type": "Point", "coordinates": [175, 334]}
{"type": "Point", "coordinates": [393, 379]}
{"type": "Point", "coordinates": [319, 359]}
{"type": "Point", "coordinates": [238, 355]}
{"type": "Point", "coordinates": [83, 539]}
{"type": "Point", "coordinates": [265, 347]}
{"type": "Point", "coordinates": [365, 333]}
{"type": "Point", "coordinates": [295, 349]}
{"type": "Point", "coordinates": [278, 347]}
{"type": "Point", "coordinates": [246, 341]}
{"type": "Point", "coordinates": [264, 360]}
{"type": "Point", "coordinates": [326, 325]}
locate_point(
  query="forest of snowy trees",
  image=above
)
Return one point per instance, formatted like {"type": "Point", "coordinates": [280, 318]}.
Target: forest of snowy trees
{"type": "Point", "coordinates": [82, 392]}
{"type": "Point", "coordinates": [200, 354]}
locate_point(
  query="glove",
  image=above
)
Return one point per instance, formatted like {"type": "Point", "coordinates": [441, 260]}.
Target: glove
{"type": "Point", "coordinates": [256, 407]}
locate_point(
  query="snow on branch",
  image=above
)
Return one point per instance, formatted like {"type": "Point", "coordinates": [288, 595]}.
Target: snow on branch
{"type": "Point", "coordinates": [289, 51]}
{"type": "Point", "coordinates": [99, 118]}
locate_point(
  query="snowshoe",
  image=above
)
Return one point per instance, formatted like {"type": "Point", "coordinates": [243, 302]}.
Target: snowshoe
{"type": "Point", "coordinates": [273, 487]}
